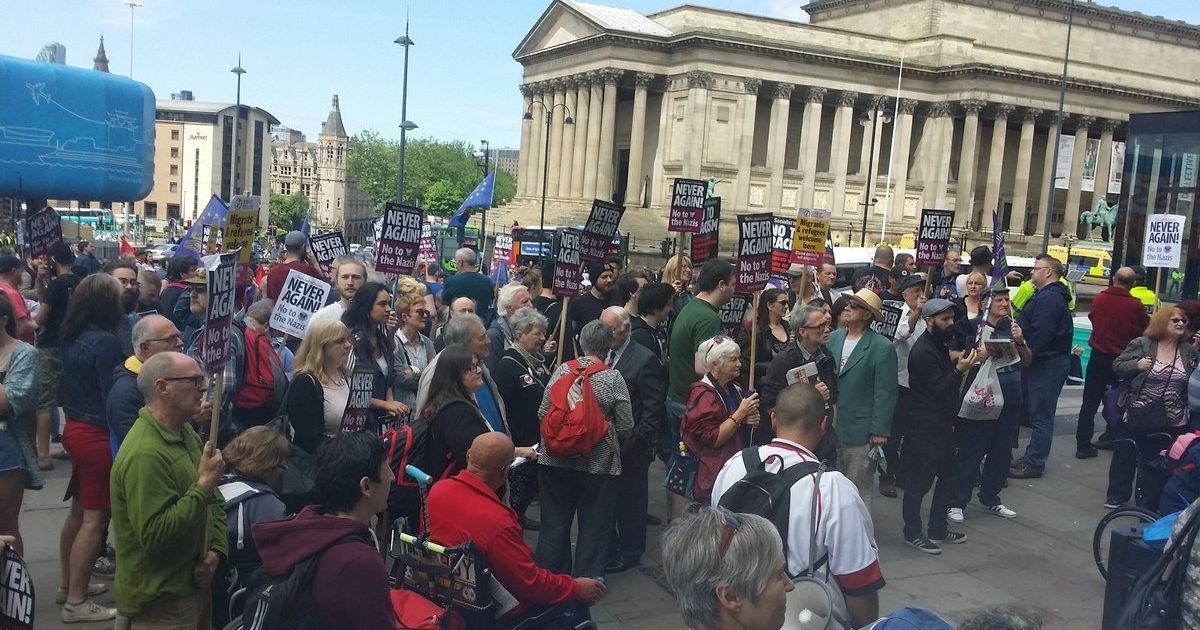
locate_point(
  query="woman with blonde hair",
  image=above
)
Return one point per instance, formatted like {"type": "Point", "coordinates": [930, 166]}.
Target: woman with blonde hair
{"type": "Point", "coordinates": [972, 302]}
{"type": "Point", "coordinates": [253, 463]}
{"type": "Point", "coordinates": [320, 388]}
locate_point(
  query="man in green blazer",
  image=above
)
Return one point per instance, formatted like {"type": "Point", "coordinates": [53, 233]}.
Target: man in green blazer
{"type": "Point", "coordinates": [867, 389]}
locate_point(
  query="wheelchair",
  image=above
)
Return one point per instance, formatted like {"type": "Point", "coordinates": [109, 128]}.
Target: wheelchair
{"type": "Point", "coordinates": [1151, 475]}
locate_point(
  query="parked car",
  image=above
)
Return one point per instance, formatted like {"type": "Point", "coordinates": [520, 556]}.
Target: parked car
{"type": "Point", "coordinates": [161, 252]}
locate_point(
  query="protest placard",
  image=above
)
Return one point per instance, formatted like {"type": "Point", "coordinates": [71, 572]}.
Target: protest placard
{"type": "Point", "coordinates": [781, 247]}
{"type": "Point", "coordinates": [399, 239]}
{"type": "Point", "coordinates": [754, 252]}
{"type": "Point", "coordinates": [240, 225]}
{"type": "Point", "coordinates": [567, 273]}
{"type": "Point", "coordinates": [302, 295]}
{"type": "Point", "coordinates": [1164, 240]}
{"type": "Point", "coordinates": [599, 230]}
{"type": "Point", "coordinates": [706, 242]}
{"type": "Point", "coordinates": [426, 253]}
{"type": "Point", "coordinates": [358, 405]}
{"type": "Point", "coordinates": [687, 205]}
{"type": "Point", "coordinates": [502, 251]}
{"type": "Point", "coordinates": [16, 592]}
{"type": "Point", "coordinates": [45, 231]}
{"type": "Point", "coordinates": [733, 314]}
{"type": "Point", "coordinates": [809, 237]}
{"type": "Point", "coordinates": [891, 319]}
{"type": "Point", "coordinates": [326, 248]}
{"type": "Point", "coordinates": [214, 347]}
{"type": "Point", "coordinates": [212, 239]}
{"type": "Point", "coordinates": [934, 236]}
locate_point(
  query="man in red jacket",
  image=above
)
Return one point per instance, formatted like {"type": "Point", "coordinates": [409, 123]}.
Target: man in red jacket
{"type": "Point", "coordinates": [466, 507]}
{"type": "Point", "coordinates": [1117, 318]}
{"type": "Point", "coordinates": [350, 585]}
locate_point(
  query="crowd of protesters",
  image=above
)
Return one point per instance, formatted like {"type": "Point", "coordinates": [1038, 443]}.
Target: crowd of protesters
{"type": "Point", "coordinates": [104, 358]}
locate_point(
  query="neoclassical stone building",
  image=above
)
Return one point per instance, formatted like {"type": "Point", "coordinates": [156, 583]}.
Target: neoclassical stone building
{"type": "Point", "coordinates": [785, 115]}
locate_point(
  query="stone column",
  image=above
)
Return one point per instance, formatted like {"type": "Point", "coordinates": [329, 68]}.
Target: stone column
{"type": "Point", "coordinates": [777, 143]}
{"type": "Point", "coordinates": [746, 148]}
{"type": "Point", "coordinates": [943, 172]}
{"type": "Point", "coordinates": [1075, 187]}
{"type": "Point", "coordinates": [933, 137]}
{"type": "Point", "coordinates": [697, 114]}
{"type": "Point", "coordinates": [526, 131]}
{"type": "Point", "coordinates": [991, 195]}
{"type": "Point", "coordinates": [843, 119]}
{"type": "Point", "coordinates": [1103, 160]}
{"type": "Point", "coordinates": [537, 146]}
{"type": "Point", "coordinates": [878, 106]}
{"type": "Point", "coordinates": [899, 165]}
{"type": "Point", "coordinates": [964, 206]}
{"type": "Point", "coordinates": [637, 139]}
{"type": "Point", "coordinates": [608, 133]}
{"type": "Point", "coordinates": [590, 166]}
{"type": "Point", "coordinates": [864, 153]}
{"type": "Point", "coordinates": [1047, 180]}
{"type": "Point", "coordinates": [568, 140]}
{"type": "Point", "coordinates": [1021, 181]}
{"type": "Point", "coordinates": [810, 139]}
{"type": "Point", "coordinates": [578, 155]}
{"type": "Point", "coordinates": [559, 95]}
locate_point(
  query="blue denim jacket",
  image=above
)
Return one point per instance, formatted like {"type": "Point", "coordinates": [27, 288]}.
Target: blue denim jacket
{"type": "Point", "coordinates": [88, 362]}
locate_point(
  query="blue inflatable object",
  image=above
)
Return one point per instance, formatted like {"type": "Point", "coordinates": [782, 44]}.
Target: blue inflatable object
{"type": "Point", "coordinates": [70, 133]}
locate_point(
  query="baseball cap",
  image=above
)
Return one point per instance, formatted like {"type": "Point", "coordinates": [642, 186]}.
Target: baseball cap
{"type": "Point", "coordinates": [295, 240]}
{"type": "Point", "coordinates": [900, 272]}
{"type": "Point", "coordinates": [936, 307]}
{"type": "Point", "coordinates": [915, 280]}
{"type": "Point", "coordinates": [9, 262]}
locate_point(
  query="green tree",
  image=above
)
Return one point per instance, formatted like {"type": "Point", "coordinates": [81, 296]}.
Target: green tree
{"type": "Point", "coordinates": [372, 166]}
{"type": "Point", "coordinates": [284, 207]}
{"type": "Point", "coordinates": [442, 198]}
{"type": "Point", "coordinates": [506, 188]}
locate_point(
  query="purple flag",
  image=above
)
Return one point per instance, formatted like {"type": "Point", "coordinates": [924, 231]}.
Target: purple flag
{"type": "Point", "coordinates": [999, 261]}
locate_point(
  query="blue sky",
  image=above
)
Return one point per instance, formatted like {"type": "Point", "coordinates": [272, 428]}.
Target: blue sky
{"type": "Point", "coordinates": [298, 53]}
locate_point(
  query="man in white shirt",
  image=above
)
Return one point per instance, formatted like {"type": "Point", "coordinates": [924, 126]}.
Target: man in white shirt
{"type": "Point", "coordinates": [349, 274]}
{"type": "Point", "coordinates": [845, 535]}
{"type": "Point", "coordinates": [910, 328]}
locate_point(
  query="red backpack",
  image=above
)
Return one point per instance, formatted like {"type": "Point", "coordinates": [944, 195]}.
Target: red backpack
{"type": "Point", "coordinates": [574, 423]}
{"type": "Point", "coordinates": [258, 384]}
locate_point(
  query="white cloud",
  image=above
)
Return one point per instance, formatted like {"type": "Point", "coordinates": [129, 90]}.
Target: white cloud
{"type": "Point", "coordinates": [785, 10]}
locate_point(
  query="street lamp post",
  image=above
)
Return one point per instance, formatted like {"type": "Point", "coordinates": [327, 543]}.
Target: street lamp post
{"type": "Point", "coordinates": [132, 4]}
{"type": "Point", "coordinates": [237, 120]}
{"type": "Point", "coordinates": [872, 116]}
{"type": "Point", "coordinates": [405, 124]}
{"type": "Point", "coordinates": [549, 110]}
{"type": "Point", "coordinates": [485, 153]}
{"type": "Point", "coordinates": [1058, 120]}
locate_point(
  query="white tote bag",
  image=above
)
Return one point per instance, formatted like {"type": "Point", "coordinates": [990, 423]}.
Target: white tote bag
{"type": "Point", "coordinates": [983, 399]}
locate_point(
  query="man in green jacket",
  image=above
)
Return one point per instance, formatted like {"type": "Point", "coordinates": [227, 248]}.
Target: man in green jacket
{"type": "Point", "coordinates": [168, 518]}
{"type": "Point", "coordinates": [867, 390]}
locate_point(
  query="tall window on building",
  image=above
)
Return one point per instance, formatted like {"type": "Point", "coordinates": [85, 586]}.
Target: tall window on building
{"type": "Point", "coordinates": [150, 210]}
{"type": "Point", "coordinates": [173, 211]}
{"type": "Point", "coordinates": [256, 180]}
{"type": "Point", "coordinates": [226, 154]}
{"type": "Point", "coordinates": [174, 187]}
{"type": "Point", "coordinates": [174, 169]}
{"type": "Point", "coordinates": [306, 190]}
{"type": "Point", "coordinates": [285, 188]}
{"type": "Point", "coordinates": [174, 152]}
{"type": "Point", "coordinates": [174, 134]}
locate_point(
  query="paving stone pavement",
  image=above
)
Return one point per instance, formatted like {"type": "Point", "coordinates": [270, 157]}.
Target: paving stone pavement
{"type": "Point", "coordinates": [1041, 560]}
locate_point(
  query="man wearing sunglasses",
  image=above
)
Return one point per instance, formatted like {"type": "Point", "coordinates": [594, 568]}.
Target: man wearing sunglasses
{"type": "Point", "coordinates": [166, 511]}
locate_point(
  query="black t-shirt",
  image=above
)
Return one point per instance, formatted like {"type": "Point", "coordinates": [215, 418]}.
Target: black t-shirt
{"type": "Point", "coordinates": [586, 308]}
{"type": "Point", "coordinates": [58, 294]}
{"type": "Point", "coordinates": [877, 279]}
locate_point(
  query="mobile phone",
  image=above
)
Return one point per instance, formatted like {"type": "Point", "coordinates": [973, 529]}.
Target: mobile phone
{"type": "Point", "coordinates": [748, 393]}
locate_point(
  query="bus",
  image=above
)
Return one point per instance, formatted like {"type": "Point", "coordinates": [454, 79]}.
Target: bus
{"type": "Point", "coordinates": [86, 216]}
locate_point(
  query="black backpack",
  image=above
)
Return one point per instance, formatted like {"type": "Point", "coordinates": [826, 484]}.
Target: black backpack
{"type": "Point", "coordinates": [1155, 599]}
{"type": "Point", "coordinates": [407, 445]}
{"type": "Point", "coordinates": [286, 603]}
{"type": "Point", "coordinates": [765, 493]}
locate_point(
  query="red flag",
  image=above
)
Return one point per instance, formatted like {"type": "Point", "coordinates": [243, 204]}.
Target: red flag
{"type": "Point", "coordinates": [126, 248]}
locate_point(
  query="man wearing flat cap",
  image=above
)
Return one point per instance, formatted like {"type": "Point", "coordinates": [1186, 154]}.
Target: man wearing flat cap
{"type": "Point", "coordinates": [910, 328]}
{"type": "Point", "coordinates": [933, 404]}
{"type": "Point", "coordinates": [866, 364]}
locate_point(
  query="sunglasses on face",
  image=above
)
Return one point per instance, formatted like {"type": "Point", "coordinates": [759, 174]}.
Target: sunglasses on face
{"type": "Point", "coordinates": [1178, 320]}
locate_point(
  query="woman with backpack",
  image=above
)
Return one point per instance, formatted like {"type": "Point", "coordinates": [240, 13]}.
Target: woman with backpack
{"type": "Point", "coordinates": [716, 410]}
{"type": "Point", "coordinates": [368, 317]}
{"type": "Point", "coordinates": [320, 388]}
{"type": "Point", "coordinates": [1158, 365]}
{"type": "Point", "coordinates": [521, 377]}
{"type": "Point", "coordinates": [253, 461]}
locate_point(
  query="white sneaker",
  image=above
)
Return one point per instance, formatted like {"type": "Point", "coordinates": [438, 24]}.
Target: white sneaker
{"type": "Point", "coordinates": [954, 515]}
{"type": "Point", "coordinates": [93, 589]}
{"type": "Point", "coordinates": [87, 611]}
{"type": "Point", "coordinates": [1000, 510]}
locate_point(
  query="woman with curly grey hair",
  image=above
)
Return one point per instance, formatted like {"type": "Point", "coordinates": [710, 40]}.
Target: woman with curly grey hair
{"type": "Point", "coordinates": [726, 570]}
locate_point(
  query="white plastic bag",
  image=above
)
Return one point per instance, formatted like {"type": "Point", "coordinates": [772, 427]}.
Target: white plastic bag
{"type": "Point", "coordinates": [983, 399]}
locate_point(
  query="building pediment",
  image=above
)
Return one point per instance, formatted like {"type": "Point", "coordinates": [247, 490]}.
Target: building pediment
{"type": "Point", "coordinates": [567, 21]}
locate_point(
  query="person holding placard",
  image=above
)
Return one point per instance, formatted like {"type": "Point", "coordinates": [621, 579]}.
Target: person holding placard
{"type": "Point", "coordinates": [367, 319]}
{"type": "Point", "coordinates": [771, 329]}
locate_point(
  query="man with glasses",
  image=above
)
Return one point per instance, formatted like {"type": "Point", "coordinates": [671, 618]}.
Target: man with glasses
{"type": "Point", "coordinates": [811, 325]}
{"type": "Point", "coordinates": [127, 274]}
{"type": "Point", "coordinates": [1046, 321]}
{"type": "Point", "coordinates": [152, 335]}
{"type": "Point", "coordinates": [166, 510]}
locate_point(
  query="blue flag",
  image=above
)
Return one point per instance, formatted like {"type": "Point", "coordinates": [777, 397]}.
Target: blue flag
{"type": "Point", "coordinates": [999, 260]}
{"type": "Point", "coordinates": [214, 214]}
{"type": "Point", "coordinates": [304, 227]}
{"type": "Point", "coordinates": [481, 197]}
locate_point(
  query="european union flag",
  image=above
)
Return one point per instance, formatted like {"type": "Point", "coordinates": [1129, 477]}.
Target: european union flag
{"type": "Point", "coordinates": [214, 214]}
{"type": "Point", "coordinates": [481, 197]}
